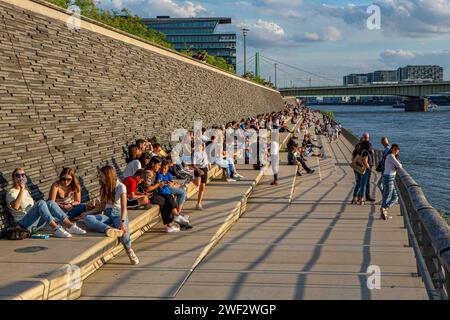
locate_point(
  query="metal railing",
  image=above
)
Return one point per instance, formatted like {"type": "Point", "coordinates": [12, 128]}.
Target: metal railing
{"type": "Point", "coordinates": [428, 232]}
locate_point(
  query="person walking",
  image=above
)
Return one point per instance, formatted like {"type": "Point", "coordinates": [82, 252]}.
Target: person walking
{"type": "Point", "coordinates": [390, 196]}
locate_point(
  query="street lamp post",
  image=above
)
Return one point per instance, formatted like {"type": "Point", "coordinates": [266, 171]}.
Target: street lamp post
{"type": "Point", "coordinates": [244, 32]}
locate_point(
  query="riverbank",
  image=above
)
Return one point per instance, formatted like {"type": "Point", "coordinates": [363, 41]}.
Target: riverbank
{"type": "Point", "coordinates": [423, 138]}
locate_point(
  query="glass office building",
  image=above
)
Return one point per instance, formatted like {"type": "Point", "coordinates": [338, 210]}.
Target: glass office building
{"type": "Point", "coordinates": [197, 34]}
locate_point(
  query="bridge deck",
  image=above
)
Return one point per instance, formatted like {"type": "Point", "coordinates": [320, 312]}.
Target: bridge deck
{"type": "Point", "coordinates": [317, 247]}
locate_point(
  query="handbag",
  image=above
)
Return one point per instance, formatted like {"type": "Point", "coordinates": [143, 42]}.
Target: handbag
{"type": "Point", "coordinates": [17, 233]}
{"type": "Point", "coordinates": [357, 164]}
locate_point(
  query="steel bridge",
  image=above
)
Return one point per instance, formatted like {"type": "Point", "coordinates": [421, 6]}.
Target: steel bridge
{"type": "Point", "coordinates": [413, 90]}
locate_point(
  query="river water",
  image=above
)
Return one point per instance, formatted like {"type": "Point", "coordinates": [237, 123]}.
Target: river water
{"type": "Point", "coordinates": [424, 139]}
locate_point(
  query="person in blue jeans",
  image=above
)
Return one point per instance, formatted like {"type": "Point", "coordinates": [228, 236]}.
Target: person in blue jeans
{"type": "Point", "coordinates": [28, 214]}
{"type": "Point", "coordinates": [387, 148]}
{"type": "Point", "coordinates": [114, 221]}
{"type": "Point", "coordinates": [66, 192]}
{"type": "Point", "coordinates": [390, 196]}
{"type": "Point", "coordinates": [169, 189]}
{"type": "Point", "coordinates": [361, 179]}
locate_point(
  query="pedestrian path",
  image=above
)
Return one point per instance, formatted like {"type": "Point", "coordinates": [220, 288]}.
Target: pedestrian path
{"type": "Point", "coordinates": [316, 246]}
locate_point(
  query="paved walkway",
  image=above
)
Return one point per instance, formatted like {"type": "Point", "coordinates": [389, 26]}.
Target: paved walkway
{"type": "Point", "coordinates": [299, 240]}
{"type": "Point", "coordinates": [317, 246]}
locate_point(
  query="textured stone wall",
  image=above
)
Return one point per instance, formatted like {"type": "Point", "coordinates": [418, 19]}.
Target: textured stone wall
{"type": "Point", "coordinates": [78, 98]}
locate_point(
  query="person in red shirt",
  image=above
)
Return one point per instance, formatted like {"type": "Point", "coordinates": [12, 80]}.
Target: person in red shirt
{"type": "Point", "coordinates": [134, 197]}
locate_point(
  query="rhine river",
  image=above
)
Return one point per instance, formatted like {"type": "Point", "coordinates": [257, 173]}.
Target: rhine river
{"type": "Point", "coordinates": [424, 140]}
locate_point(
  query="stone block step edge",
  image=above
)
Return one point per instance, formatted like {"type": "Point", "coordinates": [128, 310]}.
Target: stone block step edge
{"type": "Point", "coordinates": [65, 283]}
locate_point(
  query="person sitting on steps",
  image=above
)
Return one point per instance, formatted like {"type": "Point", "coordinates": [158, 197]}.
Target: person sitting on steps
{"type": "Point", "coordinates": [28, 214]}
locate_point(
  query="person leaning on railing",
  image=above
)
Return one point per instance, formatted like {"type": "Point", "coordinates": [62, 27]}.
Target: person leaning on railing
{"type": "Point", "coordinates": [390, 196]}
{"type": "Point", "coordinates": [27, 214]}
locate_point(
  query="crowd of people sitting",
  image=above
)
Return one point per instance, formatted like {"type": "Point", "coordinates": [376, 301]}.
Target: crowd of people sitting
{"type": "Point", "coordinates": [148, 179]}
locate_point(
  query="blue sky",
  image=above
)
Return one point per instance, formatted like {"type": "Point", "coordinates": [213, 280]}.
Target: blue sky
{"type": "Point", "coordinates": [327, 37]}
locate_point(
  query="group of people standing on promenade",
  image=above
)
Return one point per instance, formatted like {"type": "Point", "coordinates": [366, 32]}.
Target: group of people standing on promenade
{"type": "Point", "coordinates": [147, 179]}
{"type": "Point", "coordinates": [363, 162]}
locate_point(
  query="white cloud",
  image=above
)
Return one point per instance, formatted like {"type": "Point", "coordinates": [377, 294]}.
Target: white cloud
{"type": "Point", "coordinates": [413, 18]}
{"type": "Point", "coordinates": [264, 34]}
{"type": "Point", "coordinates": [327, 34]}
{"type": "Point", "coordinates": [152, 8]}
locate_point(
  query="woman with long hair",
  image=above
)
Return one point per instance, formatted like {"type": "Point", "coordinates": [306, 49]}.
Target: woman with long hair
{"type": "Point", "coordinates": [66, 192]}
{"type": "Point", "coordinates": [114, 221]}
{"type": "Point", "coordinates": [27, 213]}
{"type": "Point", "coordinates": [390, 196]}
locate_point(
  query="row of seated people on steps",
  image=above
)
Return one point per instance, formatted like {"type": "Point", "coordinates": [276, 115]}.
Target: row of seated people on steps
{"type": "Point", "coordinates": [147, 179]}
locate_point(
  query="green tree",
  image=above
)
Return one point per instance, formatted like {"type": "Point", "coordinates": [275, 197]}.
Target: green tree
{"type": "Point", "coordinates": [125, 21]}
{"type": "Point", "coordinates": [251, 76]}
{"type": "Point", "coordinates": [122, 20]}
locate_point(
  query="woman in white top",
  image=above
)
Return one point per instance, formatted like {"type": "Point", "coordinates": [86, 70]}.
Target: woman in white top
{"type": "Point", "coordinates": [28, 214]}
{"type": "Point", "coordinates": [390, 196]}
{"type": "Point", "coordinates": [114, 221]}
{"type": "Point", "coordinates": [134, 164]}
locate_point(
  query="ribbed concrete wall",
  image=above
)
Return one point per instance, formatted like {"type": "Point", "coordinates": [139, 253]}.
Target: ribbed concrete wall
{"type": "Point", "coordinates": [77, 98]}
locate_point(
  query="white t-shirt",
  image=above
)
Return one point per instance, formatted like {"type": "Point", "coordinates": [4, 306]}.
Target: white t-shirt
{"type": "Point", "coordinates": [391, 165]}
{"type": "Point", "coordinates": [26, 204]}
{"type": "Point", "coordinates": [120, 189]}
{"type": "Point", "coordinates": [131, 168]}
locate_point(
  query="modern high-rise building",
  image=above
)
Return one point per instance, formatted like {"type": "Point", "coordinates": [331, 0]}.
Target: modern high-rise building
{"type": "Point", "coordinates": [384, 76]}
{"type": "Point", "coordinates": [197, 34]}
{"type": "Point", "coordinates": [421, 74]}
{"type": "Point", "coordinates": [408, 74]}
{"type": "Point", "coordinates": [356, 79]}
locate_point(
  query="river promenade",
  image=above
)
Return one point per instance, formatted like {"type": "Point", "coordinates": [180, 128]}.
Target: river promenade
{"type": "Point", "coordinates": [299, 240]}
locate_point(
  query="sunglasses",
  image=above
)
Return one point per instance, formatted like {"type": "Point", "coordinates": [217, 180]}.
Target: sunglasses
{"type": "Point", "coordinates": [20, 175]}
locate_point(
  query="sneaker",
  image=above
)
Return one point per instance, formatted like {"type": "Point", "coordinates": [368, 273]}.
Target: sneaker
{"type": "Point", "coordinates": [239, 175]}
{"type": "Point", "coordinates": [114, 233]}
{"type": "Point", "coordinates": [76, 229]}
{"type": "Point", "coordinates": [231, 180]}
{"type": "Point", "coordinates": [180, 219]}
{"type": "Point", "coordinates": [172, 229]}
{"type": "Point", "coordinates": [185, 216]}
{"type": "Point", "coordinates": [199, 207]}
{"type": "Point", "coordinates": [274, 183]}
{"type": "Point", "coordinates": [133, 257]}
{"type": "Point", "coordinates": [60, 232]}
{"type": "Point", "coordinates": [311, 171]}
{"type": "Point", "coordinates": [185, 227]}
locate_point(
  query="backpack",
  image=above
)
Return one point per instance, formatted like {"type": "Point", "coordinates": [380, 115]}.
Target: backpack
{"type": "Point", "coordinates": [357, 164]}
{"type": "Point", "coordinates": [17, 233]}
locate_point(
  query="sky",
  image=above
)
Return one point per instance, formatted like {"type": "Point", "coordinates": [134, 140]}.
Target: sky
{"type": "Point", "coordinates": [325, 39]}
